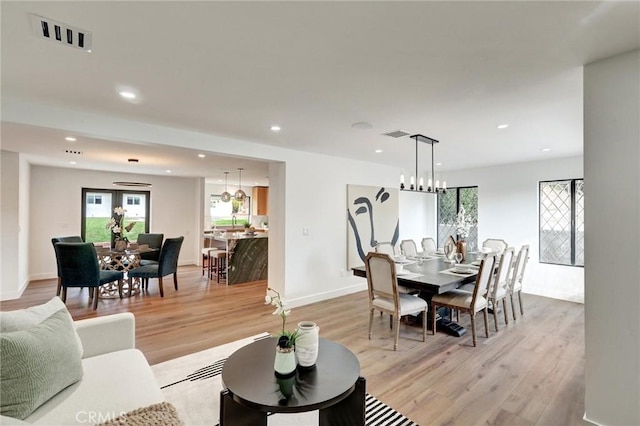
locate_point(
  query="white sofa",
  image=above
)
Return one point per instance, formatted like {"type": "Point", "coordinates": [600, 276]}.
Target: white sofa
{"type": "Point", "coordinates": [117, 377]}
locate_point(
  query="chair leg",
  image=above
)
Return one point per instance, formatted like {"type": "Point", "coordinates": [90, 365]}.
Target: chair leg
{"type": "Point", "coordinates": [495, 315]}
{"type": "Point", "coordinates": [395, 343]}
{"type": "Point", "coordinates": [473, 329]}
{"type": "Point", "coordinates": [390, 322]}
{"type": "Point", "coordinates": [175, 280]}
{"type": "Point", "coordinates": [433, 319]}
{"type": "Point", "coordinates": [371, 322]}
{"type": "Point", "coordinates": [59, 289]}
{"type": "Point", "coordinates": [520, 302]}
{"type": "Point", "coordinates": [64, 294]}
{"type": "Point", "coordinates": [504, 308]}
{"type": "Point", "coordinates": [424, 325]}
{"type": "Point", "coordinates": [95, 297]}
{"type": "Point", "coordinates": [486, 322]}
{"type": "Point", "coordinates": [513, 306]}
{"type": "Point", "coordinates": [120, 288]}
{"type": "Point", "coordinates": [160, 285]}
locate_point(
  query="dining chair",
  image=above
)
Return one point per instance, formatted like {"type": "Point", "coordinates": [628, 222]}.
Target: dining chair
{"type": "Point", "coordinates": [451, 242]}
{"type": "Point", "coordinates": [499, 286]}
{"type": "Point", "coordinates": [386, 248]}
{"type": "Point", "coordinates": [167, 264]}
{"type": "Point", "coordinates": [389, 249]}
{"type": "Point", "coordinates": [429, 245]}
{"type": "Point", "coordinates": [54, 241]}
{"type": "Point", "coordinates": [384, 296]}
{"type": "Point", "coordinates": [79, 268]}
{"type": "Point", "coordinates": [471, 303]}
{"type": "Point", "coordinates": [495, 244]}
{"type": "Point", "coordinates": [515, 284]}
{"type": "Point", "coordinates": [408, 248]}
{"type": "Point", "coordinates": [154, 241]}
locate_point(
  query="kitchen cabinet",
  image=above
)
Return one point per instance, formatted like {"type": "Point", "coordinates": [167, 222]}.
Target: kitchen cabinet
{"type": "Point", "coordinates": [260, 201]}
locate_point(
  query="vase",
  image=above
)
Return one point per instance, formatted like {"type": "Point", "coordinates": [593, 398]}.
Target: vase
{"type": "Point", "coordinates": [121, 245]}
{"type": "Point", "coordinates": [461, 247]}
{"type": "Point", "coordinates": [307, 343]}
{"type": "Point", "coordinates": [285, 362]}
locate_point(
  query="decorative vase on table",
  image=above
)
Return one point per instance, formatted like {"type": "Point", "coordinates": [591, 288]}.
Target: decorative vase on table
{"type": "Point", "coordinates": [461, 246]}
{"type": "Point", "coordinates": [121, 245]}
{"type": "Point", "coordinates": [307, 344]}
{"type": "Point", "coordinates": [284, 364]}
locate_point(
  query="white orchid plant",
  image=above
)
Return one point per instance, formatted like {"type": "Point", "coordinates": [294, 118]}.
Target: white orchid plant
{"type": "Point", "coordinates": [116, 224]}
{"type": "Point", "coordinates": [287, 338]}
{"type": "Point", "coordinates": [463, 224]}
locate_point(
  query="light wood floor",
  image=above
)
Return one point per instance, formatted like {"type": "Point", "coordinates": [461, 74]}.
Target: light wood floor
{"type": "Point", "coordinates": [530, 373]}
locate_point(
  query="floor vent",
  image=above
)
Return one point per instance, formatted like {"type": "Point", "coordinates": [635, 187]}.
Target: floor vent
{"type": "Point", "coordinates": [397, 134]}
{"type": "Point", "coordinates": [61, 33]}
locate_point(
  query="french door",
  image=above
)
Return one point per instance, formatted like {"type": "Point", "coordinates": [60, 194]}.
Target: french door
{"type": "Point", "coordinates": [97, 210]}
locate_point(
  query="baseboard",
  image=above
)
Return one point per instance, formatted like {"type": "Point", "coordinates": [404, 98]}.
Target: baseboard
{"type": "Point", "coordinates": [17, 294]}
{"type": "Point", "coordinates": [319, 297]}
{"type": "Point", "coordinates": [591, 422]}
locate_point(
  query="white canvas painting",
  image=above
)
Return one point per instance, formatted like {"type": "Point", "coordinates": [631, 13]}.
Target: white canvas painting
{"type": "Point", "coordinates": [373, 216]}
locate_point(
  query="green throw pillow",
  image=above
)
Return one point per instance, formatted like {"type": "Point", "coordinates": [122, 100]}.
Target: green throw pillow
{"type": "Point", "coordinates": [24, 318]}
{"type": "Point", "coordinates": [37, 363]}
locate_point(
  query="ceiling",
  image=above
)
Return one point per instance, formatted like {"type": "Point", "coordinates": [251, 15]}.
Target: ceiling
{"type": "Point", "coordinates": [453, 71]}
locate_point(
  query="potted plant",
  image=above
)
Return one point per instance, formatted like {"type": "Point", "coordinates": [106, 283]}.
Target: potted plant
{"type": "Point", "coordinates": [285, 360]}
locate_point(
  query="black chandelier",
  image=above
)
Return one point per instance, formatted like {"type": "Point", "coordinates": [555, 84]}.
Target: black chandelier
{"type": "Point", "coordinates": [430, 188]}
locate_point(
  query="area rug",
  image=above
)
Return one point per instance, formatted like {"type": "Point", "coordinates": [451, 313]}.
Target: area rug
{"type": "Point", "coordinates": [192, 384]}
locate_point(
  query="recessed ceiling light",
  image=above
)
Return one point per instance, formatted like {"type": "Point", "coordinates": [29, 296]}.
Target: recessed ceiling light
{"type": "Point", "coordinates": [168, 171]}
{"type": "Point", "coordinates": [378, 151]}
{"type": "Point", "coordinates": [72, 162]}
{"type": "Point", "coordinates": [438, 164]}
{"type": "Point", "coordinates": [201, 155]}
{"type": "Point", "coordinates": [127, 95]}
{"type": "Point", "coordinates": [503, 126]}
{"type": "Point", "coordinates": [545, 149]}
{"type": "Point", "coordinates": [275, 128]}
{"type": "Point", "coordinates": [70, 139]}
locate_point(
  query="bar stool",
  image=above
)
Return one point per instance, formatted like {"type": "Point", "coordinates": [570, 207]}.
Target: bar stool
{"type": "Point", "coordinates": [207, 254]}
{"type": "Point", "coordinates": [221, 264]}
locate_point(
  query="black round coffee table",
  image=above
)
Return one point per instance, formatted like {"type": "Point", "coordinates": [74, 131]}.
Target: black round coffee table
{"type": "Point", "coordinates": [251, 388]}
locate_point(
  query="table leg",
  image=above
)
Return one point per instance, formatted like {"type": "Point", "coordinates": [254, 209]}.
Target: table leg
{"type": "Point", "coordinates": [348, 412]}
{"type": "Point", "coordinates": [234, 414]}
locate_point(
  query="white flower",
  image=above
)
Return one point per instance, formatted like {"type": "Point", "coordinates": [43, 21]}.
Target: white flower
{"type": "Point", "coordinates": [116, 229]}
{"type": "Point", "coordinates": [119, 211]}
{"type": "Point", "coordinates": [267, 300]}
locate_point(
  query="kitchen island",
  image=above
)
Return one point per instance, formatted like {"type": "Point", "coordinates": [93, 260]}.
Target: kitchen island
{"type": "Point", "coordinates": [247, 255]}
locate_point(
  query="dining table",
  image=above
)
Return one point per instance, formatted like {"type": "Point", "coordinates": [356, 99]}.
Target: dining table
{"type": "Point", "coordinates": [430, 275]}
{"type": "Point", "coordinates": [120, 260]}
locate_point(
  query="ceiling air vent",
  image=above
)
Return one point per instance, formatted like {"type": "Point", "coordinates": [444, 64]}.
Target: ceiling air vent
{"type": "Point", "coordinates": [61, 33]}
{"type": "Point", "coordinates": [396, 134]}
{"type": "Point", "coordinates": [70, 151]}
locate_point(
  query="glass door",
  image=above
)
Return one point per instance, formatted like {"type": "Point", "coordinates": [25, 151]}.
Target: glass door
{"type": "Point", "coordinates": [97, 210]}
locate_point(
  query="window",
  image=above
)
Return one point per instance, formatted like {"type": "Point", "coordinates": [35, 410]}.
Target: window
{"type": "Point", "coordinates": [97, 209]}
{"type": "Point", "coordinates": [222, 213]}
{"type": "Point", "coordinates": [94, 199]}
{"type": "Point", "coordinates": [449, 205]}
{"type": "Point", "coordinates": [562, 222]}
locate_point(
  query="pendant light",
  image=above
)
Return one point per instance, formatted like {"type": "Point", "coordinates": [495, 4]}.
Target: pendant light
{"type": "Point", "coordinates": [240, 195]}
{"type": "Point", "coordinates": [430, 189]}
{"type": "Point", "coordinates": [225, 197]}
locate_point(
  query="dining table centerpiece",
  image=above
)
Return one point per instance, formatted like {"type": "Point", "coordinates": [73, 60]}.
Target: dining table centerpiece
{"type": "Point", "coordinates": [463, 224]}
{"type": "Point", "coordinates": [118, 228]}
{"type": "Point", "coordinates": [285, 359]}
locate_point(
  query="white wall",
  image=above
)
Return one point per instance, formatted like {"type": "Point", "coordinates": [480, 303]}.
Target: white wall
{"type": "Point", "coordinates": [56, 199]}
{"type": "Point", "coordinates": [417, 216]}
{"type": "Point", "coordinates": [612, 233]}
{"type": "Point", "coordinates": [14, 230]}
{"type": "Point", "coordinates": [508, 209]}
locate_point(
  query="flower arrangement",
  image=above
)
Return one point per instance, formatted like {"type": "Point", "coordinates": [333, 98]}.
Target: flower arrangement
{"type": "Point", "coordinates": [287, 338]}
{"type": "Point", "coordinates": [116, 224]}
{"type": "Point", "coordinates": [463, 224]}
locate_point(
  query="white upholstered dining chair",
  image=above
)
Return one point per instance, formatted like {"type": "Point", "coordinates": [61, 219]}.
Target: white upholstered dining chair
{"type": "Point", "coordinates": [409, 248]}
{"type": "Point", "coordinates": [495, 244]}
{"type": "Point", "coordinates": [429, 246]}
{"type": "Point", "coordinates": [515, 284]}
{"type": "Point", "coordinates": [386, 248]}
{"type": "Point", "coordinates": [384, 295]}
{"type": "Point", "coordinates": [500, 285]}
{"type": "Point", "coordinates": [469, 302]}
